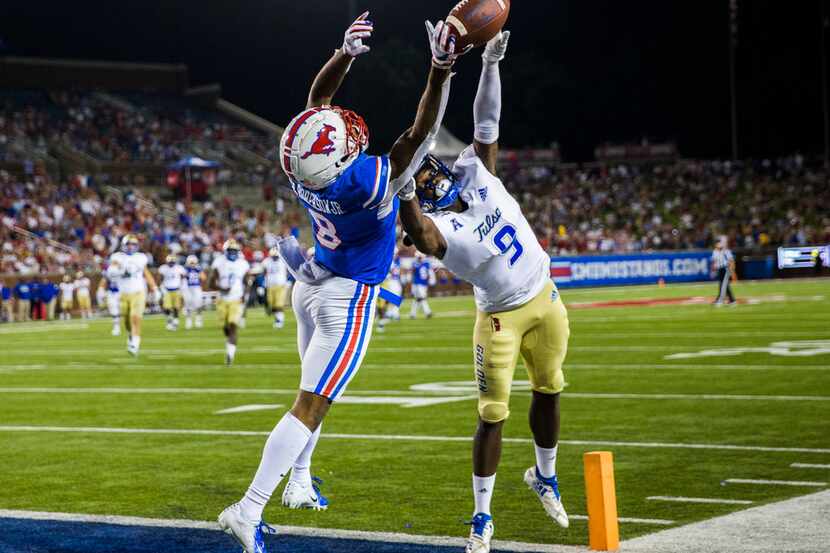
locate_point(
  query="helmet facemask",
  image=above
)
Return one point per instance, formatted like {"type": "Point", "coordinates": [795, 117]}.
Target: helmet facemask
{"type": "Point", "coordinates": [435, 185]}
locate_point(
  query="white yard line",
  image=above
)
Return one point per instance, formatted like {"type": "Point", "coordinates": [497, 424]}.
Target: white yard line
{"type": "Point", "coordinates": [311, 532]}
{"type": "Point", "coordinates": [292, 391]}
{"type": "Point", "coordinates": [775, 482]}
{"type": "Point", "coordinates": [404, 437]}
{"type": "Point", "coordinates": [631, 520]}
{"type": "Point", "coordinates": [809, 466]}
{"type": "Point", "coordinates": [680, 499]}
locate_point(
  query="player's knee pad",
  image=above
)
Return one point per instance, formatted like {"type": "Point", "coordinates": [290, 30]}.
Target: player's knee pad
{"type": "Point", "coordinates": [492, 411]}
{"type": "Point", "coordinates": [552, 383]}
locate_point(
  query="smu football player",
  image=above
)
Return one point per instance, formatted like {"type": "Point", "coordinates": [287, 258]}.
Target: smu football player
{"type": "Point", "coordinates": [352, 205]}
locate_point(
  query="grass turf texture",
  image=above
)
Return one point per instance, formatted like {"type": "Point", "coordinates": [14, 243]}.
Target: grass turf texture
{"type": "Point", "coordinates": [423, 487]}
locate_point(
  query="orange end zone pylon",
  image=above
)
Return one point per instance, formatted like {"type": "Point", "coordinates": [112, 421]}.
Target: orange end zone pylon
{"type": "Point", "coordinates": [601, 497]}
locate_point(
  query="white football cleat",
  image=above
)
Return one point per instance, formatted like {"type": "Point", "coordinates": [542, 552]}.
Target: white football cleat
{"type": "Point", "coordinates": [132, 350]}
{"type": "Point", "coordinates": [116, 331]}
{"type": "Point", "coordinates": [480, 534]}
{"type": "Point", "coordinates": [248, 533]}
{"type": "Point", "coordinates": [188, 324]}
{"type": "Point", "coordinates": [199, 323]}
{"type": "Point", "coordinates": [298, 496]}
{"type": "Point", "coordinates": [547, 490]}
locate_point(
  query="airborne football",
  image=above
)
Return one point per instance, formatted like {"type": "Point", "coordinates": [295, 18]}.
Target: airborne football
{"type": "Point", "coordinates": [425, 277]}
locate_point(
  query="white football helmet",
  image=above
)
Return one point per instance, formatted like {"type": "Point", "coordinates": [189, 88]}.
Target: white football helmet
{"type": "Point", "coordinates": [320, 143]}
{"type": "Point", "coordinates": [192, 261]}
{"type": "Point", "coordinates": [274, 252]}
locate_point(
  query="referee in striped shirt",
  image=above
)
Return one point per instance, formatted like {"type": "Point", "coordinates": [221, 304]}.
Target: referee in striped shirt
{"type": "Point", "coordinates": [723, 265]}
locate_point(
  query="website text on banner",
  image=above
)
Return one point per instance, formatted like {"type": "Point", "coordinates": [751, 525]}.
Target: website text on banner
{"type": "Point", "coordinates": [615, 270]}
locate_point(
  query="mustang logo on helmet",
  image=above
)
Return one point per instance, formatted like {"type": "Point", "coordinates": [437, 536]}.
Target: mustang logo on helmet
{"type": "Point", "coordinates": [324, 145]}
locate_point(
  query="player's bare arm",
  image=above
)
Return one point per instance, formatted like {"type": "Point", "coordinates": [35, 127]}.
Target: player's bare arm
{"type": "Point", "coordinates": [487, 105]}
{"type": "Point", "coordinates": [151, 282]}
{"type": "Point", "coordinates": [421, 230]}
{"type": "Point", "coordinates": [442, 44]}
{"type": "Point", "coordinates": [331, 76]}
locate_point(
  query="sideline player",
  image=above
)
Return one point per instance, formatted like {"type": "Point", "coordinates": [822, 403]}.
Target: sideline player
{"type": "Point", "coordinates": [129, 268]}
{"type": "Point", "coordinates": [422, 278]}
{"type": "Point", "coordinates": [483, 237]}
{"type": "Point", "coordinates": [723, 267]}
{"type": "Point", "coordinates": [193, 296]}
{"type": "Point", "coordinates": [82, 294]}
{"type": "Point", "coordinates": [276, 286]}
{"type": "Point", "coordinates": [229, 272]}
{"type": "Point", "coordinates": [172, 278]}
{"type": "Point", "coordinates": [67, 287]}
{"type": "Point", "coordinates": [353, 208]}
{"type": "Point", "coordinates": [389, 311]}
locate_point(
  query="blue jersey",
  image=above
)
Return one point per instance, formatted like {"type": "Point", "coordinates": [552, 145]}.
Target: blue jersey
{"type": "Point", "coordinates": [353, 221]}
{"type": "Point", "coordinates": [420, 273]}
{"type": "Point", "coordinates": [23, 291]}
{"type": "Point", "coordinates": [5, 293]}
{"type": "Point", "coordinates": [194, 276]}
{"type": "Point", "coordinates": [395, 270]}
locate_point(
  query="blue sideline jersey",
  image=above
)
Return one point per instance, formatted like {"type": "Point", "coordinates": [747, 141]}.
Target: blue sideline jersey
{"type": "Point", "coordinates": [194, 276]}
{"type": "Point", "coordinates": [420, 273]}
{"type": "Point", "coordinates": [353, 221]}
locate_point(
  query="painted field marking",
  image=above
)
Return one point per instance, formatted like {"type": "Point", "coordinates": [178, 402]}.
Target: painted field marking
{"type": "Point", "coordinates": [809, 466]}
{"type": "Point", "coordinates": [631, 520]}
{"type": "Point", "coordinates": [249, 408]}
{"type": "Point", "coordinates": [464, 390]}
{"type": "Point", "coordinates": [41, 327]}
{"type": "Point", "coordinates": [775, 482]}
{"type": "Point", "coordinates": [313, 532]}
{"type": "Point", "coordinates": [404, 437]}
{"type": "Point", "coordinates": [797, 348]}
{"type": "Point", "coordinates": [679, 499]}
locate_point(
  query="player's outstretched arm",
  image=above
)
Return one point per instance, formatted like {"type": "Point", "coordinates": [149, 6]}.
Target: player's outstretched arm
{"type": "Point", "coordinates": [442, 44]}
{"type": "Point", "coordinates": [420, 230]}
{"type": "Point", "coordinates": [487, 105]}
{"type": "Point", "coordinates": [331, 76]}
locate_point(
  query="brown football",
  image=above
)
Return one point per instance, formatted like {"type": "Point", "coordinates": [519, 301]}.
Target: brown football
{"type": "Point", "coordinates": [477, 21]}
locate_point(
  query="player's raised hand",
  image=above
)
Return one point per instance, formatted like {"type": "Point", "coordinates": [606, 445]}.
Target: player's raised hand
{"type": "Point", "coordinates": [358, 31]}
{"type": "Point", "coordinates": [496, 48]}
{"type": "Point", "coordinates": [442, 45]}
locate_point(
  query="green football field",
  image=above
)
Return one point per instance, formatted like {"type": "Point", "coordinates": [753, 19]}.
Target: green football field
{"type": "Point", "coordinates": [686, 396]}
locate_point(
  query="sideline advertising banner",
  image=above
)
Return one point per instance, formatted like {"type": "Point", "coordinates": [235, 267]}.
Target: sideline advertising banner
{"type": "Point", "coordinates": [617, 270]}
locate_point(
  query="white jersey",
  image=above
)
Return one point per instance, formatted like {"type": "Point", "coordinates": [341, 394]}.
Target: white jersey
{"type": "Point", "coordinates": [172, 277]}
{"type": "Point", "coordinates": [67, 290]}
{"type": "Point", "coordinates": [82, 287]}
{"type": "Point", "coordinates": [128, 271]}
{"type": "Point", "coordinates": [231, 276]}
{"type": "Point", "coordinates": [491, 244]}
{"type": "Point", "coordinates": [276, 272]}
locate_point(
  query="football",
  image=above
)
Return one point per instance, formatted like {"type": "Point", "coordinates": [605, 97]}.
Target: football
{"type": "Point", "coordinates": [477, 21]}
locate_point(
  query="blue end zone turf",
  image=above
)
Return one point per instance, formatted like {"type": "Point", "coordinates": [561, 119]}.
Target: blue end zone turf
{"type": "Point", "coordinates": [39, 536]}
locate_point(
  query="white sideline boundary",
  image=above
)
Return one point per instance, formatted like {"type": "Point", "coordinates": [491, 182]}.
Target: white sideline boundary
{"type": "Point", "coordinates": [809, 466]}
{"type": "Point", "coordinates": [283, 391]}
{"type": "Point", "coordinates": [388, 537]}
{"type": "Point", "coordinates": [797, 525]}
{"type": "Point", "coordinates": [775, 482]}
{"type": "Point", "coordinates": [404, 437]}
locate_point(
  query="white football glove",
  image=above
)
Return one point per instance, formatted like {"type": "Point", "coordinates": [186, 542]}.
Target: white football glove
{"type": "Point", "coordinates": [353, 40]}
{"type": "Point", "coordinates": [442, 45]}
{"type": "Point", "coordinates": [496, 48]}
{"type": "Point", "coordinates": [408, 191]}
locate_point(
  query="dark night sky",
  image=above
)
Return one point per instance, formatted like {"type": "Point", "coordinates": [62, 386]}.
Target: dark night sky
{"type": "Point", "coordinates": [578, 71]}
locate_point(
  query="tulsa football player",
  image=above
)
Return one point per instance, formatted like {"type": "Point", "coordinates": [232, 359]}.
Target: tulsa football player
{"type": "Point", "coordinates": [229, 275]}
{"type": "Point", "coordinates": [172, 278]}
{"type": "Point", "coordinates": [193, 300]}
{"type": "Point", "coordinates": [129, 268]}
{"type": "Point", "coordinates": [481, 235]}
{"type": "Point", "coordinates": [276, 286]}
{"type": "Point", "coordinates": [353, 207]}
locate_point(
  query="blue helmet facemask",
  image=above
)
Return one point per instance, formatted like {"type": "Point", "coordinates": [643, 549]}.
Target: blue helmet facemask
{"type": "Point", "coordinates": [435, 185]}
{"type": "Point", "coordinates": [231, 254]}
